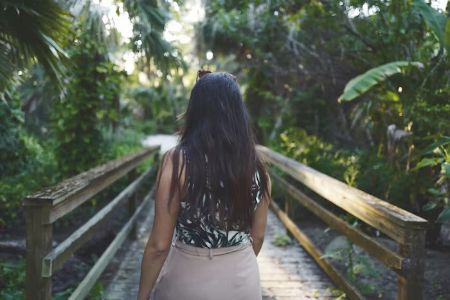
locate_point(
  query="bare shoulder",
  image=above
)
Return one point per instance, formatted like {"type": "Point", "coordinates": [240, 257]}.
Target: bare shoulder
{"type": "Point", "coordinates": [169, 155]}
{"type": "Point", "coordinates": [170, 163]}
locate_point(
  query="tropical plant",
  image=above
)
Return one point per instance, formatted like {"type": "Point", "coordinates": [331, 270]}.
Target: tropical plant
{"type": "Point", "coordinates": [364, 82]}
{"type": "Point", "coordinates": [295, 58]}
{"type": "Point", "coordinates": [149, 20]}
{"type": "Point", "coordinates": [438, 22]}
{"type": "Point", "coordinates": [438, 155]}
{"type": "Point", "coordinates": [93, 94]}
{"type": "Point", "coordinates": [31, 31]}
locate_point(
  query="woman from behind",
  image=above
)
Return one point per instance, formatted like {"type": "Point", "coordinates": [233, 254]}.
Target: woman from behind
{"type": "Point", "coordinates": [213, 190]}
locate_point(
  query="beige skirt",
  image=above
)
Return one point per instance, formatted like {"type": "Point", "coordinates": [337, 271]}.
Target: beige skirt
{"type": "Point", "coordinates": [193, 273]}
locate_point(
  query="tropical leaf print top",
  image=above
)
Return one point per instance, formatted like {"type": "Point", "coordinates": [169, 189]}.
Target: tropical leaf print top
{"type": "Point", "coordinates": [195, 225]}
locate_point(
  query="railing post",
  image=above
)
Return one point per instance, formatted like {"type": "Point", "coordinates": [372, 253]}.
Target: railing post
{"type": "Point", "coordinates": [411, 280]}
{"type": "Point", "coordinates": [39, 237]}
{"type": "Point", "coordinates": [132, 206]}
{"type": "Point", "coordinates": [287, 199]}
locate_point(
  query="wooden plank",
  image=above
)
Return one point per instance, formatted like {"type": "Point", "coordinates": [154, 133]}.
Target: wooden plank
{"type": "Point", "coordinates": [391, 220]}
{"type": "Point", "coordinates": [74, 191]}
{"type": "Point", "coordinates": [59, 255]}
{"type": "Point", "coordinates": [411, 282]}
{"type": "Point", "coordinates": [335, 275]}
{"type": "Point", "coordinates": [39, 239]}
{"type": "Point", "coordinates": [90, 279]}
{"type": "Point", "coordinates": [388, 257]}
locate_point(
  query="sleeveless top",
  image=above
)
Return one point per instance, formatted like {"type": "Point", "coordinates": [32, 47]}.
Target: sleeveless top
{"type": "Point", "coordinates": [193, 228]}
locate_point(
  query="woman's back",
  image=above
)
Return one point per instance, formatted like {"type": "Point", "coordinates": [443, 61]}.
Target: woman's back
{"type": "Point", "coordinates": [213, 190]}
{"type": "Point", "coordinates": [200, 225]}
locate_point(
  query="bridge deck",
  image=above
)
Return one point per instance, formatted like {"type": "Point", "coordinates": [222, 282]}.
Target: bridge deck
{"type": "Point", "coordinates": [286, 273]}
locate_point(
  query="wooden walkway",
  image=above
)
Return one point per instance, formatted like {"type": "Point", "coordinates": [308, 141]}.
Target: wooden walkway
{"type": "Point", "coordinates": [287, 273]}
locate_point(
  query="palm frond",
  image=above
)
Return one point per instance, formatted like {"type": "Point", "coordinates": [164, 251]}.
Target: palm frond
{"type": "Point", "coordinates": [149, 21]}
{"type": "Point", "coordinates": [32, 31]}
{"type": "Point", "coordinates": [96, 20]}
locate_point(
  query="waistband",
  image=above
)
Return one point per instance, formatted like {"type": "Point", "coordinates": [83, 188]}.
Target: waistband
{"type": "Point", "coordinates": [209, 252]}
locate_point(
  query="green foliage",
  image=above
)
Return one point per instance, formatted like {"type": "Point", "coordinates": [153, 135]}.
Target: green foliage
{"type": "Point", "coordinates": [124, 142]}
{"type": "Point", "coordinates": [160, 107]}
{"type": "Point", "coordinates": [364, 169]}
{"type": "Point", "coordinates": [357, 266]}
{"type": "Point", "coordinates": [295, 59]}
{"type": "Point", "coordinates": [12, 149]}
{"type": "Point", "coordinates": [40, 170]}
{"type": "Point", "coordinates": [12, 279]}
{"type": "Point", "coordinates": [149, 19]}
{"type": "Point", "coordinates": [25, 164]}
{"type": "Point", "coordinates": [438, 159]}
{"type": "Point", "coordinates": [312, 151]}
{"type": "Point", "coordinates": [31, 30]}
{"type": "Point", "coordinates": [438, 22]}
{"type": "Point", "coordinates": [97, 292]}
{"type": "Point", "coordinates": [282, 240]}
{"type": "Point", "coordinates": [362, 83]}
{"type": "Point", "coordinates": [92, 102]}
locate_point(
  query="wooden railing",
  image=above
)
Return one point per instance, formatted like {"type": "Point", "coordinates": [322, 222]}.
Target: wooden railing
{"type": "Point", "coordinates": [402, 226]}
{"type": "Point", "coordinates": [42, 209]}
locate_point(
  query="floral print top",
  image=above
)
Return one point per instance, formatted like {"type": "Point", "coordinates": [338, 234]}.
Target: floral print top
{"type": "Point", "coordinates": [193, 227]}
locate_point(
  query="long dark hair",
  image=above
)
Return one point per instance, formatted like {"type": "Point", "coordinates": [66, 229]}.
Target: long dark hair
{"type": "Point", "coordinates": [218, 146]}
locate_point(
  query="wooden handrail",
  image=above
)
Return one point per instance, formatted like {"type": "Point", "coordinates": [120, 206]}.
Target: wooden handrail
{"type": "Point", "coordinates": [59, 255]}
{"type": "Point", "coordinates": [43, 208]}
{"type": "Point", "coordinates": [404, 227]}
{"type": "Point", "coordinates": [377, 250]}
{"type": "Point", "coordinates": [72, 192]}
{"type": "Point", "coordinates": [94, 273]}
{"type": "Point", "coordinates": [389, 219]}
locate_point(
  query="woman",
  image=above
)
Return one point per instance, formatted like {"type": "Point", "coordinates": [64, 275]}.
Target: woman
{"type": "Point", "coordinates": [214, 191]}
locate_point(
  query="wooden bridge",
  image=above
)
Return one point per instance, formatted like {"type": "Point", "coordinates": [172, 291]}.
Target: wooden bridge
{"type": "Point", "coordinates": [298, 271]}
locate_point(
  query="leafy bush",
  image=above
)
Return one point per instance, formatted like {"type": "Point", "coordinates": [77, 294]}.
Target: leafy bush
{"type": "Point", "coordinates": [438, 157]}
{"type": "Point", "coordinates": [91, 104]}
{"type": "Point", "coordinates": [367, 169]}
{"type": "Point", "coordinates": [126, 141]}
{"type": "Point", "coordinates": [12, 148]}
{"type": "Point", "coordinates": [12, 279]}
{"type": "Point", "coordinates": [26, 166]}
{"type": "Point", "coordinates": [312, 151]}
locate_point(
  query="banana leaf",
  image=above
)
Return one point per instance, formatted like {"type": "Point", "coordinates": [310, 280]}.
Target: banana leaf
{"type": "Point", "coordinates": [364, 82]}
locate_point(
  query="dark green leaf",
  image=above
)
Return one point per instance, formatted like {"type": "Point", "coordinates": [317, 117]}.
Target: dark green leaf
{"type": "Point", "coordinates": [445, 169]}
{"type": "Point", "coordinates": [443, 141]}
{"type": "Point", "coordinates": [435, 192]}
{"type": "Point", "coordinates": [429, 206]}
{"type": "Point", "coordinates": [362, 83]}
{"type": "Point", "coordinates": [426, 162]}
{"type": "Point", "coordinates": [435, 20]}
{"type": "Point", "coordinates": [444, 215]}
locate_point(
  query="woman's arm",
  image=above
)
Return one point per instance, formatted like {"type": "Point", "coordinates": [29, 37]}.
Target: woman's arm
{"type": "Point", "coordinates": [260, 220]}
{"type": "Point", "coordinates": [158, 244]}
